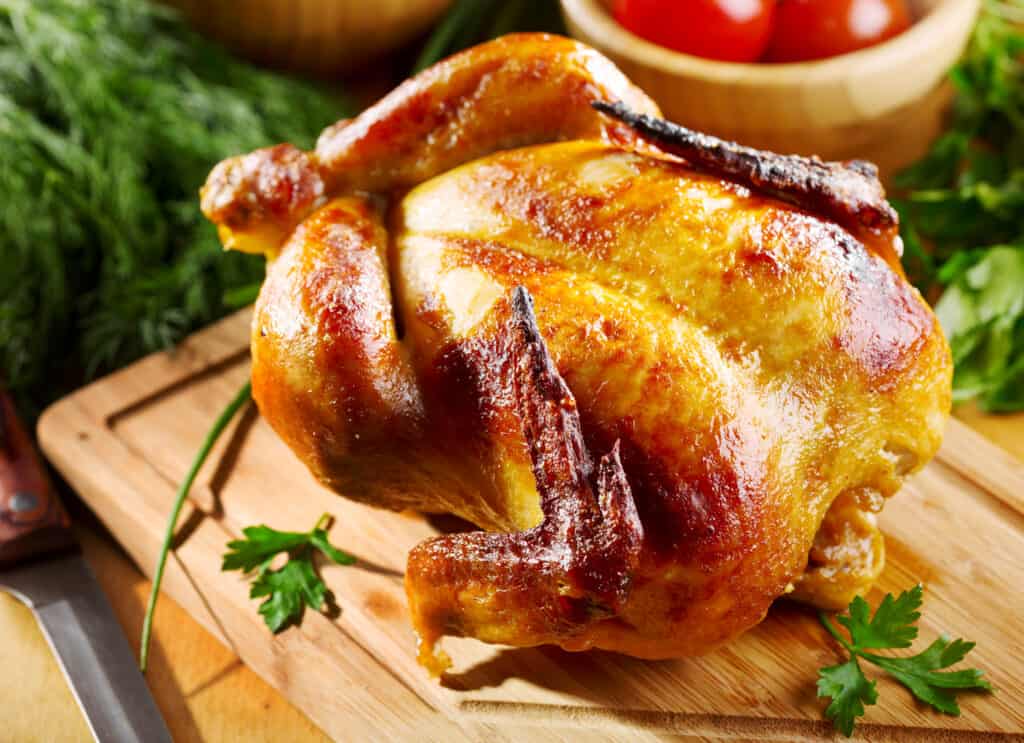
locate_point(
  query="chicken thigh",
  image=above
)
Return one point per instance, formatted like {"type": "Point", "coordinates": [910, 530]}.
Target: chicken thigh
{"type": "Point", "coordinates": [670, 378]}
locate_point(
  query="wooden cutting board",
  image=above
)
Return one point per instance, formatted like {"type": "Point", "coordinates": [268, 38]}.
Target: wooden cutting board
{"type": "Point", "coordinates": [125, 442]}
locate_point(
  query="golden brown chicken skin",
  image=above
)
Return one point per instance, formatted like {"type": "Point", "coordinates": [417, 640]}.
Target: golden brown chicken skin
{"type": "Point", "coordinates": [518, 90]}
{"type": "Point", "coordinates": [666, 397]}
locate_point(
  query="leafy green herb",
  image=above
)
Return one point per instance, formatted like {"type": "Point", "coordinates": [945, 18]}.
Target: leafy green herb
{"type": "Point", "coordinates": [288, 589]}
{"type": "Point", "coordinates": [295, 585]}
{"type": "Point", "coordinates": [111, 114]}
{"type": "Point", "coordinates": [850, 691]}
{"type": "Point", "coordinates": [982, 310]}
{"type": "Point", "coordinates": [892, 626]}
{"type": "Point", "coordinates": [963, 217]}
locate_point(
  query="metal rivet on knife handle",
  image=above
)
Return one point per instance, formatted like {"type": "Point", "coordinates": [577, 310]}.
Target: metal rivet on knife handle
{"type": "Point", "coordinates": [23, 501]}
{"type": "Point", "coordinates": [32, 519]}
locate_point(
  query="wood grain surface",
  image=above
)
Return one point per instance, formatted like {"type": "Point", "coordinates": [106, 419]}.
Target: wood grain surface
{"type": "Point", "coordinates": [125, 441]}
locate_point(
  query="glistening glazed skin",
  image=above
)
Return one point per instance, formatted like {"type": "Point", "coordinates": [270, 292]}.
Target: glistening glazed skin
{"type": "Point", "coordinates": [667, 398]}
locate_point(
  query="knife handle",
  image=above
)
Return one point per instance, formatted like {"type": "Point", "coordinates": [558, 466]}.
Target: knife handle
{"type": "Point", "coordinates": [32, 519]}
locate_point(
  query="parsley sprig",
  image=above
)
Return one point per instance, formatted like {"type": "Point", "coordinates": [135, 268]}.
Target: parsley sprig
{"type": "Point", "coordinates": [892, 626]}
{"type": "Point", "coordinates": [295, 585]}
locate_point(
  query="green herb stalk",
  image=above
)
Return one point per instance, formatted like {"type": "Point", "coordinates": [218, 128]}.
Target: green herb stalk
{"type": "Point", "coordinates": [243, 396]}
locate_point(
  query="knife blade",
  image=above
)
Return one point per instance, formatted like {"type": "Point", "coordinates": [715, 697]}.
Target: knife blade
{"type": "Point", "coordinates": [41, 566]}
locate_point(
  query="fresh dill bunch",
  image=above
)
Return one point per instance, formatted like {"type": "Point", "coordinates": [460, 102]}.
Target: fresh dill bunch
{"type": "Point", "coordinates": [111, 114]}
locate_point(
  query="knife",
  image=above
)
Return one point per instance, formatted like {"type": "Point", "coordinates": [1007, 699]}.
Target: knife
{"type": "Point", "coordinates": [40, 565]}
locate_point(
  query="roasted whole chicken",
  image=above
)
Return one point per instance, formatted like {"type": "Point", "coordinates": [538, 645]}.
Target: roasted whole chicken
{"type": "Point", "coordinates": [670, 378]}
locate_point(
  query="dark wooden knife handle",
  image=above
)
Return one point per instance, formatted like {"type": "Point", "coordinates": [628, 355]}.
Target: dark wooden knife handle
{"type": "Point", "coordinates": [32, 519]}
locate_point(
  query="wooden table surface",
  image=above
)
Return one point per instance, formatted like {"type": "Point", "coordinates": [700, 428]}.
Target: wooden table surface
{"type": "Point", "coordinates": [204, 691]}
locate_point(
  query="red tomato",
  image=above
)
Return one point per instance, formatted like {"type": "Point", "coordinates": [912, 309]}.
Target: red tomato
{"type": "Point", "coordinates": [815, 29]}
{"type": "Point", "coordinates": [729, 30]}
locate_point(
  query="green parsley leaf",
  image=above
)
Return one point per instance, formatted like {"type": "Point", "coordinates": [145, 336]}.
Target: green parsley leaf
{"type": "Point", "coordinates": [850, 691]}
{"type": "Point", "coordinates": [919, 673]}
{"type": "Point", "coordinates": [893, 623]}
{"type": "Point", "coordinates": [260, 544]}
{"type": "Point", "coordinates": [287, 590]}
{"type": "Point", "coordinates": [892, 626]}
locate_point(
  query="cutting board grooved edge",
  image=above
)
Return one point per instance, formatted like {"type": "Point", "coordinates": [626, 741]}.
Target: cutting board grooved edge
{"type": "Point", "coordinates": [715, 726]}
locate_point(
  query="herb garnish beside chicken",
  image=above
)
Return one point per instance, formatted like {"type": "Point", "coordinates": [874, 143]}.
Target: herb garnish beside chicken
{"type": "Point", "coordinates": [673, 379]}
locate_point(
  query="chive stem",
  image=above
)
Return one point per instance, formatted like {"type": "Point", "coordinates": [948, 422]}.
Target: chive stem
{"type": "Point", "coordinates": [243, 396]}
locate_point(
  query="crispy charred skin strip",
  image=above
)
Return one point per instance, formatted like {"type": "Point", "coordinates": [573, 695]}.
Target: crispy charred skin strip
{"type": "Point", "coordinates": [547, 584]}
{"type": "Point", "coordinates": [514, 91]}
{"type": "Point", "coordinates": [848, 192]}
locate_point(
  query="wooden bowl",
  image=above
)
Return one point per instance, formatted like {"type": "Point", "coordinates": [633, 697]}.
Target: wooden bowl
{"type": "Point", "coordinates": [884, 103]}
{"type": "Point", "coordinates": [318, 37]}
